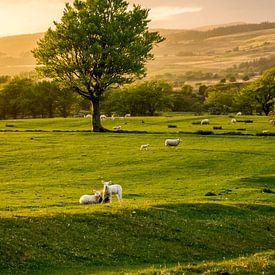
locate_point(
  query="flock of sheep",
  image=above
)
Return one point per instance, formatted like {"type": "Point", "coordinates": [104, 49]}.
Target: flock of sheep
{"type": "Point", "coordinates": [106, 195]}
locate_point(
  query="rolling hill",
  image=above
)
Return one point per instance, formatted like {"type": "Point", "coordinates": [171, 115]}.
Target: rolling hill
{"type": "Point", "coordinates": [219, 51]}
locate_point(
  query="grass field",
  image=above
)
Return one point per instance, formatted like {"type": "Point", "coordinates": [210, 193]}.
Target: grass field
{"type": "Point", "coordinates": [206, 206]}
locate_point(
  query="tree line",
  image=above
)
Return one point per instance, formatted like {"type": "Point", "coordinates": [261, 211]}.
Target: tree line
{"type": "Point", "coordinates": [220, 31]}
{"type": "Point", "coordinates": [22, 97]}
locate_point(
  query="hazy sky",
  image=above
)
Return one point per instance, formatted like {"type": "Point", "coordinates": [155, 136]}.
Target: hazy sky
{"type": "Point", "coordinates": [30, 16]}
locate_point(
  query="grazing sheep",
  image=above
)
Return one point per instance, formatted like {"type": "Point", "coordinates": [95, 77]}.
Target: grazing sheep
{"type": "Point", "coordinates": [172, 142]}
{"type": "Point", "coordinates": [265, 131]}
{"type": "Point", "coordinates": [205, 121]}
{"type": "Point", "coordinates": [127, 115]}
{"type": "Point", "coordinates": [272, 121]}
{"type": "Point", "coordinates": [117, 128]}
{"type": "Point", "coordinates": [89, 116]}
{"type": "Point", "coordinates": [103, 117]}
{"type": "Point", "coordinates": [239, 114]}
{"type": "Point", "coordinates": [144, 146]}
{"type": "Point", "coordinates": [110, 190]}
{"type": "Point", "coordinates": [233, 120]}
{"type": "Point", "coordinates": [91, 199]}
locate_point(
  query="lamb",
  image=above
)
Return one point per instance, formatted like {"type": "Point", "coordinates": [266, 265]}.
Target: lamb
{"type": "Point", "coordinates": [127, 115]}
{"type": "Point", "coordinates": [172, 142]}
{"type": "Point", "coordinates": [103, 117]}
{"type": "Point", "coordinates": [233, 120]}
{"type": "Point", "coordinates": [205, 121]}
{"type": "Point", "coordinates": [89, 116]}
{"type": "Point", "coordinates": [91, 199]}
{"type": "Point", "coordinates": [144, 146]}
{"type": "Point", "coordinates": [110, 190]}
{"type": "Point", "coordinates": [239, 114]}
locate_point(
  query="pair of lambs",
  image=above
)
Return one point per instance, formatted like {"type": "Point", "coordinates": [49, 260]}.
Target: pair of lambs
{"type": "Point", "coordinates": [108, 191]}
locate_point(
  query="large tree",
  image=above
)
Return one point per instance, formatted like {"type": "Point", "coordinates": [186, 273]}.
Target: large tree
{"type": "Point", "coordinates": [96, 45]}
{"type": "Point", "coordinates": [262, 90]}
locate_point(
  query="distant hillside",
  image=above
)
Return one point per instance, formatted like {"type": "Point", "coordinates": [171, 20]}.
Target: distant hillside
{"type": "Point", "coordinates": [217, 51]}
{"type": "Point", "coordinates": [15, 53]}
{"type": "Point", "coordinates": [211, 27]}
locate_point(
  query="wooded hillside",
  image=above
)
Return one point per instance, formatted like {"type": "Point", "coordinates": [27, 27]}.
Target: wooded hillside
{"type": "Point", "coordinates": [193, 55]}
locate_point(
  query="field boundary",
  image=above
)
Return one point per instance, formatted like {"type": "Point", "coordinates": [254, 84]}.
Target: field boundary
{"type": "Point", "coordinates": [200, 132]}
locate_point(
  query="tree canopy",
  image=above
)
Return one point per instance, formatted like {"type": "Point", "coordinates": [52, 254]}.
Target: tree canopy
{"type": "Point", "coordinates": [262, 90]}
{"type": "Point", "coordinates": [97, 44]}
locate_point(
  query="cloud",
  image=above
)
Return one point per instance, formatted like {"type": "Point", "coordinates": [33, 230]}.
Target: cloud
{"type": "Point", "coordinates": [160, 13]}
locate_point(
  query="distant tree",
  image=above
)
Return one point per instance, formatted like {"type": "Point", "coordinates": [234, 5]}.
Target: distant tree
{"type": "Point", "coordinates": [245, 104]}
{"type": "Point", "coordinates": [47, 91]}
{"type": "Point", "coordinates": [66, 102]}
{"type": "Point", "coordinates": [245, 77]}
{"type": "Point", "coordinates": [220, 98]}
{"type": "Point", "coordinates": [262, 90]}
{"type": "Point", "coordinates": [4, 78]}
{"type": "Point", "coordinates": [14, 97]}
{"type": "Point", "coordinates": [185, 99]}
{"type": "Point", "coordinates": [117, 101]}
{"type": "Point", "coordinates": [97, 44]}
{"type": "Point", "coordinates": [152, 96]}
{"type": "Point", "coordinates": [3, 106]}
{"type": "Point", "coordinates": [145, 99]}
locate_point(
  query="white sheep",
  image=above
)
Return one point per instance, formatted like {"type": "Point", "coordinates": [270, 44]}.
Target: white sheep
{"type": "Point", "coordinates": [127, 115]}
{"type": "Point", "coordinates": [89, 116]}
{"type": "Point", "coordinates": [172, 142]}
{"type": "Point", "coordinates": [233, 120]}
{"type": "Point", "coordinates": [117, 128]}
{"type": "Point", "coordinates": [144, 146]}
{"type": "Point", "coordinates": [103, 117]}
{"type": "Point", "coordinates": [110, 190]}
{"type": "Point", "coordinates": [205, 121]}
{"type": "Point", "coordinates": [239, 114]}
{"type": "Point", "coordinates": [91, 199]}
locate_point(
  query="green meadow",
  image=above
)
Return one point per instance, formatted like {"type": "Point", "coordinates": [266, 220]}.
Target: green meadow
{"type": "Point", "coordinates": [204, 207]}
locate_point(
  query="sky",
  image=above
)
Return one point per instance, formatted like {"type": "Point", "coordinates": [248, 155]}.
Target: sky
{"type": "Point", "coordinates": [31, 16]}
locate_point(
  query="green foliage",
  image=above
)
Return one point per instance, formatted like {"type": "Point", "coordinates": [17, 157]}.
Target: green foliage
{"type": "Point", "coordinates": [142, 99]}
{"type": "Point", "coordinates": [4, 78]}
{"type": "Point", "coordinates": [255, 65]}
{"type": "Point", "coordinates": [262, 90]}
{"type": "Point", "coordinates": [25, 97]}
{"type": "Point", "coordinates": [14, 97]}
{"type": "Point", "coordinates": [165, 223]}
{"type": "Point", "coordinates": [188, 100]}
{"type": "Point", "coordinates": [220, 98]}
{"type": "Point", "coordinates": [96, 45]}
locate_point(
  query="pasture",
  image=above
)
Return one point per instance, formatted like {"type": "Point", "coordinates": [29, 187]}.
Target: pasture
{"type": "Point", "coordinates": [206, 206]}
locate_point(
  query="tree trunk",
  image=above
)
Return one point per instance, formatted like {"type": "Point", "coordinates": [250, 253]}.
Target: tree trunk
{"type": "Point", "coordinates": [266, 108]}
{"type": "Point", "coordinates": [96, 123]}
